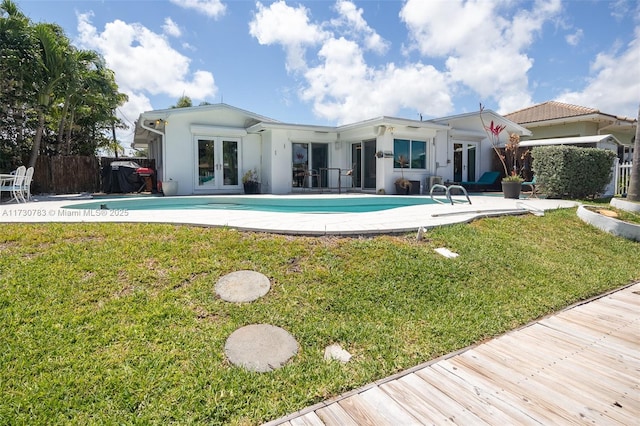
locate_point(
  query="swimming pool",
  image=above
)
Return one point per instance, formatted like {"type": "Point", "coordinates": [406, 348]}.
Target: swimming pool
{"type": "Point", "coordinates": [280, 204]}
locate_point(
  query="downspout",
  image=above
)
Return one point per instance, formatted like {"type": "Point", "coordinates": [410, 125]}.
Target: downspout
{"type": "Point", "coordinates": [162, 144]}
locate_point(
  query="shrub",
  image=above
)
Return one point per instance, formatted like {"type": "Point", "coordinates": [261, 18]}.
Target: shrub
{"type": "Point", "coordinates": [569, 171]}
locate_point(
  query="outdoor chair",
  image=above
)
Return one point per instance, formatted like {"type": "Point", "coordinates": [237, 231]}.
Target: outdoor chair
{"type": "Point", "coordinates": [487, 180]}
{"type": "Point", "coordinates": [533, 186]}
{"type": "Point", "coordinates": [14, 185]}
{"type": "Point", "coordinates": [26, 184]}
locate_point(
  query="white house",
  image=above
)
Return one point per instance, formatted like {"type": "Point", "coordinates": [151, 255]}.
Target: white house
{"type": "Point", "coordinates": [207, 149]}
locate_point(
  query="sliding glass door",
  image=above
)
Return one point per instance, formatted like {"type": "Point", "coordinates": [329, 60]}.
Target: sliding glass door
{"type": "Point", "coordinates": [308, 161]}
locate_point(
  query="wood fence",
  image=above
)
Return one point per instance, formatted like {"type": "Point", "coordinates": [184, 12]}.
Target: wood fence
{"type": "Point", "coordinates": [66, 175]}
{"type": "Point", "coordinates": [74, 174]}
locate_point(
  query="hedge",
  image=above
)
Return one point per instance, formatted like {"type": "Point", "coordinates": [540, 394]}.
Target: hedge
{"type": "Point", "coordinates": [572, 172]}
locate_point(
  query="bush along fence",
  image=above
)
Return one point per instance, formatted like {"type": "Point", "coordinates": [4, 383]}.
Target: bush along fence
{"type": "Point", "coordinates": [569, 171]}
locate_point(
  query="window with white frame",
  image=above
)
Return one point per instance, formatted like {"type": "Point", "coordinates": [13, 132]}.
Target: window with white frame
{"type": "Point", "coordinates": [409, 154]}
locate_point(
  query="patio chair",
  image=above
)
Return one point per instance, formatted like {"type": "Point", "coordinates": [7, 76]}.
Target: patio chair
{"type": "Point", "coordinates": [487, 180]}
{"type": "Point", "coordinates": [14, 186]}
{"type": "Point", "coordinates": [533, 186]}
{"type": "Point", "coordinates": [26, 184]}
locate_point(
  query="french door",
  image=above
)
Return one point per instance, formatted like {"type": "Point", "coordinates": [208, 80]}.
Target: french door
{"type": "Point", "coordinates": [217, 163]}
{"type": "Point", "coordinates": [464, 161]}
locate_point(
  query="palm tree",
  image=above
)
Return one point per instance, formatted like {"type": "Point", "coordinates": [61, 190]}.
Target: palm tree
{"type": "Point", "coordinates": [53, 47]}
{"type": "Point", "coordinates": [78, 67]}
{"type": "Point", "coordinates": [183, 102]}
{"type": "Point", "coordinates": [633, 193]}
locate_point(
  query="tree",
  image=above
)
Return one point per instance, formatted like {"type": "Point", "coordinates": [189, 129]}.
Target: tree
{"type": "Point", "coordinates": [633, 193]}
{"type": "Point", "coordinates": [17, 64]}
{"type": "Point", "coordinates": [54, 98]}
{"type": "Point", "coordinates": [52, 60]}
{"type": "Point", "coordinates": [79, 65]}
{"type": "Point", "coordinates": [183, 102]}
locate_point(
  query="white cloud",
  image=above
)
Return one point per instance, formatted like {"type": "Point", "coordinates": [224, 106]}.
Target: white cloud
{"type": "Point", "coordinates": [287, 26]}
{"type": "Point", "coordinates": [574, 39]}
{"type": "Point", "coordinates": [614, 86]}
{"type": "Point", "coordinates": [144, 61]}
{"type": "Point", "coordinates": [484, 46]}
{"type": "Point", "coordinates": [170, 28]}
{"type": "Point", "coordinates": [343, 88]}
{"type": "Point", "coordinates": [353, 23]}
{"type": "Point", "coordinates": [340, 84]}
{"type": "Point", "coordinates": [211, 8]}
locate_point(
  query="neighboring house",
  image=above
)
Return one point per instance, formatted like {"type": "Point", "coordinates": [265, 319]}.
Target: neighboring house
{"type": "Point", "coordinates": [555, 123]}
{"type": "Point", "coordinates": [207, 149]}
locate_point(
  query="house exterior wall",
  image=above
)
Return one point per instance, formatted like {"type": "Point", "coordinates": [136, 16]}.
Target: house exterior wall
{"type": "Point", "coordinates": [267, 146]}
{"type": "Point", "coordinates": [182, 132]}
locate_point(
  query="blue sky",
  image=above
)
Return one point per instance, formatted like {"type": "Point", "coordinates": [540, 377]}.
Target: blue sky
{"type": "Point", "coordinates": [335, 62]}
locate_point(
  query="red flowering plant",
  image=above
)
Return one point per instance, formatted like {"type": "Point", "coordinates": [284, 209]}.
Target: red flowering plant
{"type": "Point", "coordinates": [493, 131]}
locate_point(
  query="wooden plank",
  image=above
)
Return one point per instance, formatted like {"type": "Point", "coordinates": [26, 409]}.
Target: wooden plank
{"type": "Point", "coordinates": [448, 409]}
{"type": "Point", "coordinates": [309, 419]}
{"type": "Point", "coordinates": [414, 402]}
{"type": "Point", "coordinates": [610, 309]}
{"type": "Point", "coordinates": [374, 407]}
{"type": "Point", "coordinates": [549, 356]}
{"type": "Point", "coordinates": [335, 415]}
{"type": "Point", "coordinates": [388, 407]}
{"type": "Point", "coordinates": [557, 338]}
{"type": "Point", "coordinates": [586, 386]}
{"type": "Point", "coordinates": [587, 334]}
{"type": "Point", "coordinates": [546, 400]}
{"type": "Point", "coordinates": [624, 332]}
{"type": "Point", "coordinates": [629, 296]}
{"type": "Point", "coordinates": [517, 401]}
{"type": "Point", "coordinates": [476, 400]}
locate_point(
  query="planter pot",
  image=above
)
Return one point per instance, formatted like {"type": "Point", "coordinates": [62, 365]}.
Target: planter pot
{"type": "Point", "coordinates": [403, 190]}
{"type": "Point", "coordinates": [170, 187]}
{"type": "Point", "coordinates": [251, 187]}
{"type": "Point", "coordinates": [511, 189]}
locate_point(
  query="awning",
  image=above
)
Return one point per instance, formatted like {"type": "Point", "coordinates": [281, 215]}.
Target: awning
{"type": "Point", "coordinates": [572, 140]}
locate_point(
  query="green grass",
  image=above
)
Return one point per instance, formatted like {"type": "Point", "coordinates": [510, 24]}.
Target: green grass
{"type": "Point", "coordinates": [119, 323]}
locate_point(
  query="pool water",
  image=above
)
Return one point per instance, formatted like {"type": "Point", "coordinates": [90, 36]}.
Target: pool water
{"type": "Point", "coordinates": [282, 204]}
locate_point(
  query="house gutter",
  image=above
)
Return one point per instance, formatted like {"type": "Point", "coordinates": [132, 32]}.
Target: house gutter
{"type": "Point", "coordinates": [162, 142]}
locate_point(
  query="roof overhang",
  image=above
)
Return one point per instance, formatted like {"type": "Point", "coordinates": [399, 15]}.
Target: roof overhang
{"type": "Point", "coordinates": [572, 140]}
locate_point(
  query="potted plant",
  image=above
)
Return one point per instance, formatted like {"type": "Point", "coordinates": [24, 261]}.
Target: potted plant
{"type": "Point", "coordinates": [512, 182]}
{"type": "Point", "coordinates": [170, 187]}
{"type": "Point", "coordinates": [250, 182]}
{"type": "Point", "coordinates": [403, 185]}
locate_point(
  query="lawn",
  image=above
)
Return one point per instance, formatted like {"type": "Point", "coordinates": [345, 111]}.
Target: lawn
{"type": "Point", "coordinates": [119, 323]}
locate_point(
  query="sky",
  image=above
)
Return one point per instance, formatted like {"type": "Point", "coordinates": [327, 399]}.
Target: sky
{"type": "Point", "coordinates": [332, 62]}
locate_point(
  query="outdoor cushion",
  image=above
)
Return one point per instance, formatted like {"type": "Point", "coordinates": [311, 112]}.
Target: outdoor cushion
{"type": "Point", "coordinates": [487, 179]}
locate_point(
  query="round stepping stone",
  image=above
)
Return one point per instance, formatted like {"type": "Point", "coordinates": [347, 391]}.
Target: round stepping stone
{"type": "Point", "coordinates": [260, 347]}
{"type": "Point", "coordinates": [242, 286]}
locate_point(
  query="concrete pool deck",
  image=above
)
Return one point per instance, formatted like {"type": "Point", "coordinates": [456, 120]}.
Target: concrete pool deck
{"type": "Point", "coordinates": [403, 219]}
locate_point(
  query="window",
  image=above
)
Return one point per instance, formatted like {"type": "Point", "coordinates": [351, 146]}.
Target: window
{"type": "Point", "coordinates": [409, 154]}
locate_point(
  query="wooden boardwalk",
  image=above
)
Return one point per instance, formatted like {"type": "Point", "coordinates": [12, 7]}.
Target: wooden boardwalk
{"type": "Point", "coordinates": [580, 366]}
